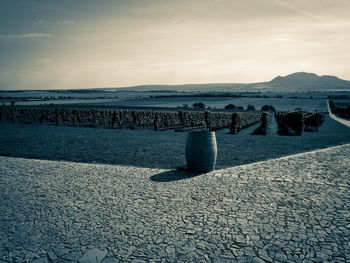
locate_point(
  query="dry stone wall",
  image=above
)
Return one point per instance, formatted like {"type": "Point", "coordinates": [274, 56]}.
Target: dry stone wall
{"type": "Point", "coordinates": [126, 118]}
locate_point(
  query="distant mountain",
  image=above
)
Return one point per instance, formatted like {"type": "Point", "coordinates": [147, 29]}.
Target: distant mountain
{"type": "Point", "coordinates": [303, 81]}
{"type": "Point", "coordinates": [299, 81]}
{"type": "Point", "coordinates": [205, 87]}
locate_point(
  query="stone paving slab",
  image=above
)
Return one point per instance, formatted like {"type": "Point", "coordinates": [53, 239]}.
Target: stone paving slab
{"type": "Point", "coordinates": [291, 209]}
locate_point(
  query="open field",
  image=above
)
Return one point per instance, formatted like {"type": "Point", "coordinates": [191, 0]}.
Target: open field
{"type": "Point", "coordinates": [309, 101]}
{"type": "Point", "coordinates": [162, 149]}
{"type": "Point", "coordinates": [281, 104]}
{"type": "Point", "coordinates": [218, 102]}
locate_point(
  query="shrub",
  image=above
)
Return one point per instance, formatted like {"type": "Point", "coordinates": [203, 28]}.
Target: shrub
{"type": "Point", "coordinates": [312, 121]}
{"type": "Point", "coordinates": [263, 129]}
{"type": "Point", "coordinates": [290, 123]}
{"type": "Point", "coordinates": [241, 120]}
{"type": "Point", "coordinates": [268, 108]}
{"type": "Point", "coordinates": [250, 107]}
{"type": "Point", "coordinates": [199, 105]}
{"type": "Point", "coordinates": [230, 107]}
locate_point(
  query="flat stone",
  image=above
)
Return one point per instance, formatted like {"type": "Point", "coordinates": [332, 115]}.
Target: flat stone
{"type": "Point", "coordinates": [170, 250]}
{"type": "Point", "coordinates": [138, 261]}
{"type": "Point", "coordinates": [262, 254]}
{"type": "Point", "coordinates": [41, 260]}
{"type": "Point", "coordinates": [240, 239]}
{"type": "Point", "coordinates": [52, 255]}
{"type": "Point", "coordinates": [110, 260]}
{"type": "Point", "coordinates": [280, 257]}
{"type": "Point", "coordinates": [258, 260]}
{"type": "Point", "coordinates": [94, 255]}
{"type": "Point", "coordinates": [72, 256]}
{"type": "Point", "coordinates": [60, 251]}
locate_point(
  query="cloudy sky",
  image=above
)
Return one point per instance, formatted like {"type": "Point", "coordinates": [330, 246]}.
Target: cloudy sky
{"type": "Point", "coordinates": [48, 44]}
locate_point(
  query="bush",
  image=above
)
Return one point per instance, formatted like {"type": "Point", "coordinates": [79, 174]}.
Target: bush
{"type": "Point", "coordinates": [199, 106]}
{"type": "Point", "coordinates": [230, 107]}
{"type": "Point", "coordinates": [290, 123]}
{"type": "Point", "coordinates": [312, 121]}
{"type": "Point", "coordinates": [250, 107]}
{"type": "Point", "coordinates": [263, 129]}
{"type": "Point", "coordinates": [185, 106]}
{"type": "Point", "coordinates": [268, 108]}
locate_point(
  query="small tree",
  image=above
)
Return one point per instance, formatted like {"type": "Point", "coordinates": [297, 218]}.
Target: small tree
{"type": "Point", "coordinates": [268, 108]}
{"type": "Point", "coordinates": [198, 106]}
{"type": "Point", "coordinates": [240, 108]}
{"type": "Point", "coordinates": [230, 107]}
{"type": "Point", "coordinates": [250, 107]}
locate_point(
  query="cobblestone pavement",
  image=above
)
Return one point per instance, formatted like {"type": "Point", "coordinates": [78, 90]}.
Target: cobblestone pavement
{"type": "Point", "coordinates": [291, 209]}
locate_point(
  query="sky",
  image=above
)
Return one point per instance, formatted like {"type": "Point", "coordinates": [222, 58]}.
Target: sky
{"type": "Point", "coordinates": [75, 44]}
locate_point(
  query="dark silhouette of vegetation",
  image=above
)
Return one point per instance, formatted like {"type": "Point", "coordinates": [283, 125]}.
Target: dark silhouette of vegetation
{"type": "Point", "coordinates": [290, 123]}
{"type": "Point", "coordinates": [198, 106]}
{"type": "Point", "coordinates": [230, 107]}
{"type": "Point", "coordinates": [250, 107]}
{"type": "Point", "coordinates": [295, 122]}
{"type": "Point", "coordinates": [312, 121]}
{"type": "Point", "coordinates": [263, 129]}
{"type": "Point", "coordinates": [268, 108]}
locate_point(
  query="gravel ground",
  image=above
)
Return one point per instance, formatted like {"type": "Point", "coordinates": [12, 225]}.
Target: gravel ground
{"type": "Point", "coordinates": [291, 209]}
{"type": "Point", "coordinates": [163, 149]}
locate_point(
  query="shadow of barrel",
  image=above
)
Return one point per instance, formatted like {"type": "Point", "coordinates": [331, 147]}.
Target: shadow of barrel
{"type": "Point", "coordinates": [173, 175]}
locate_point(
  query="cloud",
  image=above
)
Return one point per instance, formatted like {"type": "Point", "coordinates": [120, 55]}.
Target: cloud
{"type": "Point", "coordinates": [299, 10]}
{"type": "Point", "coordinates": [29, 35]}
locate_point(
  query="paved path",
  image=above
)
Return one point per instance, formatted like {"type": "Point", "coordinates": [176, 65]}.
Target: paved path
{"type": "Point", "coordinates": [291, 209]}
{"type": "Point", "coordinates": [336, 118]}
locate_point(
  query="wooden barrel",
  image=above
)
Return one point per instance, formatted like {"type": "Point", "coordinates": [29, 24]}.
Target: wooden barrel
{"type": "Point", "coordinates": [201, 151]}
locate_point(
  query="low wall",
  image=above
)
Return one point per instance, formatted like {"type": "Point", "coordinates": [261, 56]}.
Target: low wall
{"type": "Point", "coordinates": [123, 118]}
